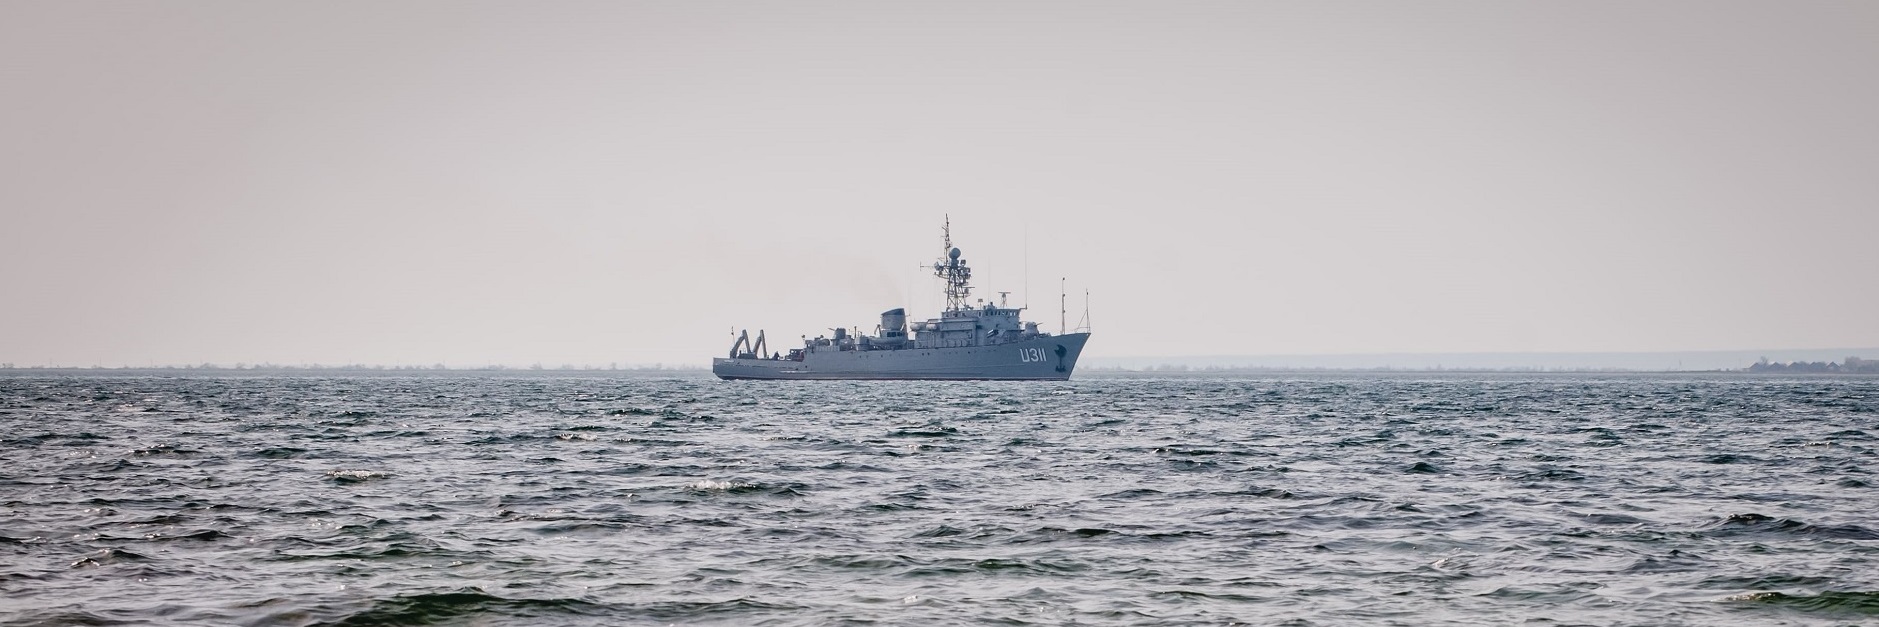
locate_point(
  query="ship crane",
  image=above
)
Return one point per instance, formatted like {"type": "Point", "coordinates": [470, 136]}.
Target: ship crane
{"type": "Point", "coordinates": [749, 349]}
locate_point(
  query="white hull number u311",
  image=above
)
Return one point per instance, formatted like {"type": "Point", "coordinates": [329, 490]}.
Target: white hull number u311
{"type": "Point", "coordinates": [1028, 355]}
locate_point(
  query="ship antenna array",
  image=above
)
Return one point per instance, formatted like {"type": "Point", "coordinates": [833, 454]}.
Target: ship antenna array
{"type": "Point", "coordinates": [953, 270]}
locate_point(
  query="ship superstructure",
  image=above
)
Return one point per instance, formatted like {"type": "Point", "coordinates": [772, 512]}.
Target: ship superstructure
{"type": "Point", "coordinates": [966, 341]}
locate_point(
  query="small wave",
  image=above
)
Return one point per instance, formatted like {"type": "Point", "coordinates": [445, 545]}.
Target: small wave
{"type": "Point", "coordinates": [1602, 437]}
{"type": "Point", "coordinates": [281, 452]}
{"type": "Point", "coordinates": [1058, 534]}
{"type": "Point", "coordinates": [1177, 450]}
{"type": "Point", "coordinates": [65, 617]}
{"type": "Point", "coordinates": [862, 562]}
{"type": "Point", "coordinates": [1270, 493]}
{"type": "Point", "coordinates": [701, 611]}
{"type": "Point", "coordinates": [892, 507]}
{"type": "Point", "coordinates": [1865, 603]}
{"type": "Point", "coordinates": [668, 419]}
{"type": "Point", "coordinates": [403, 549]}
{"type": "Point", "coordinates": [1564, 592]}
{"type": "Point", "coordinates": [355, 476]}
{"type": "Point", "coordinates": [109, 556]}
{"type": "Point", "coordinates": [164, 450]}
{"type": "Point", "coordinates": [1766, 582]}
{"type": "Point", "coordinates": [418, 609]}
{"type": "Point", "coordinates": [850, 467]}
{"type": "Point", "coordinates": [1729, 458]}
{"type": "Point", "coordinates": [740, 487]}
{"type": "Point", "coordinates": [587, 527]}
{"type": "Point", "coordinates": [159, 519]}
{"type": "Point", "coordinates": [505, 439]}
{"type": "Point", "coordinates": [930, 431]}
{"type": "Point", "coordinates": [958, 566]}
{"type": "Point", "coordinates": [1214, 596]}
{"type": "Point", "coordinates": [1757, 523]}
{"type": "Point", "coordinates": [1606, 518]}
{"type": "Point", "coordinates": [1674, 562]}
{"type": "Point", "coordinates": [81, 439]}
{"type": "Point", "coordinates": [656, 442]}
{"type": "Point", "coordinates": [942, 531]}
{"type": "Point", "coordinates": [1551, 474]}
{"type": "Point", "coordinates": [1191, 465]}
{"type": "Point", "coordinates": [200, 535]}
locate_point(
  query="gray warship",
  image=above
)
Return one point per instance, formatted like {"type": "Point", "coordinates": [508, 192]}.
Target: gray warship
{"type": "Point", "coordinates": [967, 342]}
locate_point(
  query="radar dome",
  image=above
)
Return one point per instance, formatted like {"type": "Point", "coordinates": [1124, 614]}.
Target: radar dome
{"type": "Point", "coordinates": [954, 253]}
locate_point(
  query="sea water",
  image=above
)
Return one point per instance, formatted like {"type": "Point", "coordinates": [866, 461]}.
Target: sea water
{"type": "Point", "coordinates": [1306, 499]}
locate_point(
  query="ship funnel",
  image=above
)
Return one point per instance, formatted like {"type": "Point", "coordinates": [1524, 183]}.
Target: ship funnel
{"type": "Point", "coordinates": [894, 321]}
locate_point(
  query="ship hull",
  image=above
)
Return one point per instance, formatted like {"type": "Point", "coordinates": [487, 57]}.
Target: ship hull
{"type": "Point", "coordinates": [1048, 358]}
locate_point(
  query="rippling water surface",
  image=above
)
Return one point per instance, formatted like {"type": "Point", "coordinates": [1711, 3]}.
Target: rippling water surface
{"type": "Point", "coordinates": [1304, 500]}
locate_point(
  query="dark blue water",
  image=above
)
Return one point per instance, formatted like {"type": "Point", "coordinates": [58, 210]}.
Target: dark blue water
{"type": "Point", "coordinates": [1301, 500]}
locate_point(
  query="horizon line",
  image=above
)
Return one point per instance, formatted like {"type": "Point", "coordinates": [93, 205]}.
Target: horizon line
{"type": "Point", "coordinates": [1092, 363]}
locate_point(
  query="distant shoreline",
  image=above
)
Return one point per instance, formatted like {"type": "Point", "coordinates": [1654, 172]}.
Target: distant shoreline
{"type": "Point", "coordinates": [324, 371]}
{"type": "Point", "coordinates": [1800, 362]}
{"type": "Point", "coordinates": [1659, 361]}
{"type": "Point", "coordinates": [703, 373]}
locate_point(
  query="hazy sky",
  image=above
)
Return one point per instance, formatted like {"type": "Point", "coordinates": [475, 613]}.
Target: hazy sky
{"type": "Point", "coordinates": [593, 182]}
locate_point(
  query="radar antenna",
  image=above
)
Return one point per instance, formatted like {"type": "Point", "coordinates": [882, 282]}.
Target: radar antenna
{"type": "Point", "coordinates": [953, 269]}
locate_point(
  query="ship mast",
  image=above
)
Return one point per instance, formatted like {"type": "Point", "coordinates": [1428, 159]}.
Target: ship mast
{"type": "Point", "coordinates": [953, 269]}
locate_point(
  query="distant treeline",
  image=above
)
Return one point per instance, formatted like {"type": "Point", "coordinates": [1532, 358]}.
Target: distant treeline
{"type": "Point", "coordinates": [1852, 365]}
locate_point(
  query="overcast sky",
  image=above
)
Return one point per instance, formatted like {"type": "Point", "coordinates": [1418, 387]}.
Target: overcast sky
{"type": "Point", "coordinates": [594, 182]}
